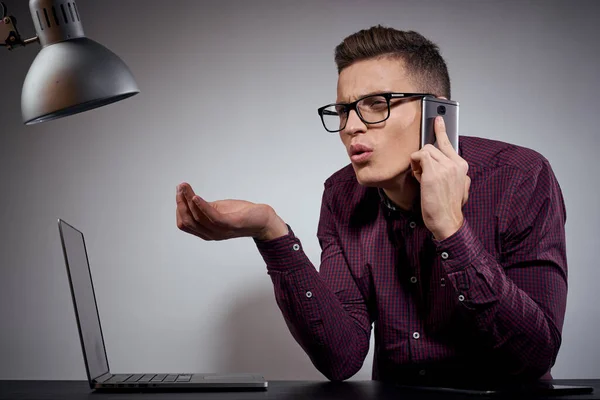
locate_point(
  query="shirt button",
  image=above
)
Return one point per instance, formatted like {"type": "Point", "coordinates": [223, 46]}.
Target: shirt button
{"type": "Point", "coordinates": [413, 224]}
{"type": "Point", "coordinates": [296, 247]}
{"type": "Point", "coordinates": [413, 279]}
{"type": "Point", "coordinates": [416, 335]}
{"type": "Point", "coordinates": [461, 297]}
{"type": "Point", "coordinates": [444, 255]}
{"type": "Point", "coordinates": [309, 294]}
{"type": "Point", "coordinates": [422, 372]}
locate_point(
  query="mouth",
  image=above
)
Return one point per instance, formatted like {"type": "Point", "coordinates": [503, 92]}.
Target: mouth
{"type": "Point", "coordinates": [360, 153]}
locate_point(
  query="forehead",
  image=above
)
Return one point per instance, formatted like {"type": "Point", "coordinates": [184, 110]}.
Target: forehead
{"type": "Point", "coordinates": [372, 76]}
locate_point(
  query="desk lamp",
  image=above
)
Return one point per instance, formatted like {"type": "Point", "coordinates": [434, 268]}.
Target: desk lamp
{"type": "Point", "coordinates": [71, 73]}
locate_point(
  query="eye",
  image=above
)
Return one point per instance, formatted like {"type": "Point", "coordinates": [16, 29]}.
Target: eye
{"type": "Point", "coordinates": [375, 103]}
{"type": "Point", "coordinates": [340, 109]}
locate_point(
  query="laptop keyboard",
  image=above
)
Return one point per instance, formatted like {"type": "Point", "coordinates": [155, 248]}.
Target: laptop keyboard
{"type": "Point", "coordinates": [147, 378]}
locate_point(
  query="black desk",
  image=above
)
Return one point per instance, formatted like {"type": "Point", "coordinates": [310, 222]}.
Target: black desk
{"type": "Point", "coordinates": [281, 390]}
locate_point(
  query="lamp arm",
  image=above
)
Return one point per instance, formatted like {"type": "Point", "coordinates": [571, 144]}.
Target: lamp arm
{"type": "Point", "coordinates": [9, 35]}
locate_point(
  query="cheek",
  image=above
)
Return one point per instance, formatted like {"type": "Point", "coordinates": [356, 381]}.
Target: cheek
{"type": "Point", "coordinates": [345, 139]}
{"type": "Point", "coordinates": [409, 117]}
{"type": "Point", "coordinates": [404, 135]}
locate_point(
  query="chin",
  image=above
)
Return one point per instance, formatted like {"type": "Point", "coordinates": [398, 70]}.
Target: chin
{"type": "Point", "coordinates": [373, 177]}
{"type": "Point", "coordinates": [369, 176]}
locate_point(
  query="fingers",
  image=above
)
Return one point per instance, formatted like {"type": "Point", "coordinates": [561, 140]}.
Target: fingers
{"type": "Point", "coordinates": [429, 158]}
{"type": "Point", "coordinates": [435, 153]}
{"type": "Point", "coordinates": [442, 139]}
{"type": "Point", "coordinates": [466, 192]}
{"type": "Point", "coordinates": [432, 156]}
{"type": "Point", "coordinates": [188, 225]}
{"type": "Point", "coordinates": [184, 216]}
{"type": "Point", "coordinates": [186, 194]}
{"type": "Point", "coordinates": [190, 217]}
{"type": "Point", "coordinates": [186, 187]}
{"type": "Point", "coordinates": [415, 166]}
{"type": "Point", "coordinates": [185, 220]}
{"type": "Point", "coordinates": [179, 220]}
{"type": "Point", "coordinates": [209, 213]}
{"type": "Point", "coordinates": [189, 194]}
{"type": "Point", "coordinates": [445, 146]}
{"type": "Point", "coordinates": [441, 135]}
{"type": "Point", "coordinates": [451, 162]}
{"type": "Point", "coordinates": [421, 161]}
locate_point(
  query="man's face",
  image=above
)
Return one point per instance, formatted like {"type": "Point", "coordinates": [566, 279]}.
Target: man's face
{"type": "Point", "coordinates": [392, 141]}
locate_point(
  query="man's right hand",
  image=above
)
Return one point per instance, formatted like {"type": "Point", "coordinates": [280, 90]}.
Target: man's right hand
{"type": "Point", "coordinates": [226, 219]}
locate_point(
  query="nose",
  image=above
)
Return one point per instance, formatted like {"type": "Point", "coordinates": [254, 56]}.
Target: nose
{"type": "Point", "coordinates": [354, 125]}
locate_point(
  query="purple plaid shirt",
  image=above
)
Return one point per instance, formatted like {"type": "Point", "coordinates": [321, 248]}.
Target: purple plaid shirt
{"type": "Point", "coordinates": [486, 303]}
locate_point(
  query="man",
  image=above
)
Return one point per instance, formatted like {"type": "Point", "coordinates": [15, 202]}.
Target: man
{"type": "Point", "coordinates": [458, 259]}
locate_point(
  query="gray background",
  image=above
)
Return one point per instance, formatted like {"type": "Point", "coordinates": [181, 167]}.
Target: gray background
{"type": "Point", "coordinates": [228, 103]}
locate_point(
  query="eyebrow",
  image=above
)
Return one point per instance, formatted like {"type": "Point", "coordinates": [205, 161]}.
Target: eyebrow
{"type": "Point", "coordinates": [365, 94]}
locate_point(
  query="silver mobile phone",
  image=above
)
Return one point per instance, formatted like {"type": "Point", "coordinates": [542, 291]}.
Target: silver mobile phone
{"type": "Point", "coordinates": [431, 107]}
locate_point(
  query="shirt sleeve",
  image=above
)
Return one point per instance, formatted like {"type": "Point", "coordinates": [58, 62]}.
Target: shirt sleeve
{"type": "Point", "coordinates": [324, 310]}
{"type": "Point", "coordinates": [518, 299]}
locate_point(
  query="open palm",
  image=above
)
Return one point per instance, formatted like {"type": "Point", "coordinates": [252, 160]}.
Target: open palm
{"type": "Point", "coordinates": [222, 219]}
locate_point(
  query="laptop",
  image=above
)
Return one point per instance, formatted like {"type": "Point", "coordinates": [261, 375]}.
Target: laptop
{"type": "Point", "coordinates": [92, 340]}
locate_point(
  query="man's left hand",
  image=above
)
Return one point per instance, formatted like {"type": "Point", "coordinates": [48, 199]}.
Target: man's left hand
{"type": "Point", "coordinates": [442, 174]}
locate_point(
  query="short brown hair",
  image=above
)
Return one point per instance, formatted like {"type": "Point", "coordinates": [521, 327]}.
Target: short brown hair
{"type": "Point", "coordinates": [422, 58]}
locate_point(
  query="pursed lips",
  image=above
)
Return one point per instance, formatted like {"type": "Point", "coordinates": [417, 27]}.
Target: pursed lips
{"type": "Point", "coordinates": [360, 153]}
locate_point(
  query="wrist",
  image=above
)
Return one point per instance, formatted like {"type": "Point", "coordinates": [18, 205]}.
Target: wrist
{"type": "Point", "coordinates": [450, 229]}
{"type": "Point", "coordinates": [274, 229]}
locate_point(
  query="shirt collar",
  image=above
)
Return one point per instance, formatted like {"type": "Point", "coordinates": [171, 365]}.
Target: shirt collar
{"type": "Point", "coordinates": [386, 200]}
{"type": "Point", "coordinates": [394, 211]}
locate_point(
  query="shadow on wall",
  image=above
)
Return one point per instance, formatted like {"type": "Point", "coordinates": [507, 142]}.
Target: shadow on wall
{"type": "Point", "coordinates": [256, 339]}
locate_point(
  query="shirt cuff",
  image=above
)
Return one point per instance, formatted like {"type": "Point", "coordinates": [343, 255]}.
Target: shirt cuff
{"type": "Point", "coordinates": [283, 253]}
{"type": "Point", "coordinates": [459, 250]}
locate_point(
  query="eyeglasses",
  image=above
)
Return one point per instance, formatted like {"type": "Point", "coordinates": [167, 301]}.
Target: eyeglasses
{"type": "Point", "coordinates": [371, 109]}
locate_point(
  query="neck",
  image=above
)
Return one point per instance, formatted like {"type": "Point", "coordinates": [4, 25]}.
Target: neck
{"type": "Point", "coordinates": [403, 191]}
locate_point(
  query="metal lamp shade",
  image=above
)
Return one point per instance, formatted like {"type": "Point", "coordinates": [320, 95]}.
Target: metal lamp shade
{"type": "Point", "coordinates": [71, 73]}
{"type": "Point", "coordinates": [73, 76]}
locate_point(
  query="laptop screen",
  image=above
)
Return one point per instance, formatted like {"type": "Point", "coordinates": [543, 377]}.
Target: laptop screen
{"type": "Point", "coordinates": [84, 300]}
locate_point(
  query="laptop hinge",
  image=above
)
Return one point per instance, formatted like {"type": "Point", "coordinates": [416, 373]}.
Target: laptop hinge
{"type": "Point", "coordinates": [103, 378]}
